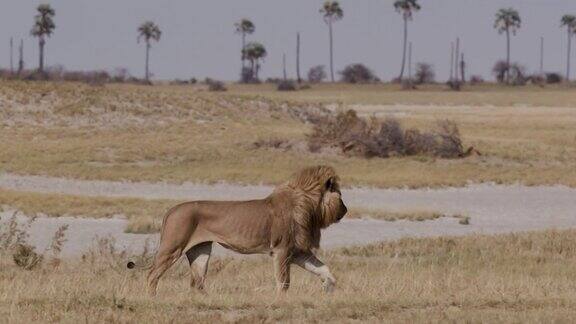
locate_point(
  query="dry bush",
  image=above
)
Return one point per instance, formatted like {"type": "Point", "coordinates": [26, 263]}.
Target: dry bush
{"type": "Point", "coordinates": [424, 73]}
{"type": "Point", "coordinates": [476, 79]}
{"type": "Point", "coordinates": [554, 77]}
{"type": "Point", "coordinates": [25, 257]}
{"type": "Point", "coordinates": [13, 241]}
{"type": "Point", "coordinates": [317, 74]}
{"type": "Point", "coordinates": [286, 85]}
{"type": "Point", "coordinates": [357, 137]}
{"type": "Point", "coordinates": [216, 86]}
{"type": "Point", "coordinates": [357, 73]}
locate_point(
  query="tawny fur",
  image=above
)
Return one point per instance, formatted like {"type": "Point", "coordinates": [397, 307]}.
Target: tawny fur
{"type": "Point", "coordinates": [286, 225]}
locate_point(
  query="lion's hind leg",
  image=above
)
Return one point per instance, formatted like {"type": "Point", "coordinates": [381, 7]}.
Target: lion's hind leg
{"type": "Point", "coordinates": [310, 263]}
{"type": "Point", "coordinates": [163, 261]}
{"type": "Point", "coordinates": [198, 257]}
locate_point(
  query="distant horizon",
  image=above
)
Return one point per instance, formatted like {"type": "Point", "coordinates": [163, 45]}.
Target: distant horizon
{"type": "Point", "coordinates": [198, 38]}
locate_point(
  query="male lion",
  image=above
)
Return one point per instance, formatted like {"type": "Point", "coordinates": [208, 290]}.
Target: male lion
{"type": "Point", "coordinates": [286, 225]}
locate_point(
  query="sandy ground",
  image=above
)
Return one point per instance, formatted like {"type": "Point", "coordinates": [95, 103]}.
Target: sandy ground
{"type": "Point", "coordinates": [492, 209]}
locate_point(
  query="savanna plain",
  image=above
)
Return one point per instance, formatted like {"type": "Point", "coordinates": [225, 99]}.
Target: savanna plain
{"type": "Point", "coordinates": [253, 134]}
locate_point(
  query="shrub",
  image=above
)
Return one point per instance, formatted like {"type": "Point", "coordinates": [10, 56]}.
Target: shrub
{"type": "Point", "coordinates": [499, 70]}
{"type": "Point", "coordinates": [355, 136]}
{"type": "Point", "coordinates": [120, 75]}
{"type": "Point", "coordinates": [214, 85]}
{"type": "Point", "coordinates": [25, 257]}
{"type": "Point", "coordinates": [424, 73]}
{"type": "Point", "coordinates": [13, 240]}
{"type": "Point", "coordinates": [455, 85]}
{"type": "Point", "coordinates": [274, 80]}
{"type": "Point", "coordinates": [476, 79]}
{"type": "Point", "coordinates": [537, 79]}
{"type": "Point", "coordinates": [286, 85]}
{"type": "Point", "coordinates": [317, 74]}
{"type": "Point", "coordinates": [553, 77]}
{"type": "Point", "coordinates": [357, 73]}
{"type": "Point", "coordinates": [517, 72]}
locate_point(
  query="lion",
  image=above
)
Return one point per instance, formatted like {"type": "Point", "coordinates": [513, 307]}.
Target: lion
{"type": "Point", "coordinates": [286, 225]}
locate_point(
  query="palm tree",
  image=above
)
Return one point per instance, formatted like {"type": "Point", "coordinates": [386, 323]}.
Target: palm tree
{"type": "Point", "coordinates": [507, 20]}
{"type": "Point", "coordinates": [406, 8]}
{"type": "Point", "coordinates": [570, 22]}
{"type": "Point", "coordinates": [332, 12]}
{"type": "Point", "coordinates": [244, 27]}
{"type": "Point", "coordinates": [254, 52]}
{"type": "Point", "coordinates": [43, 27]}
{"type": "Point", "coordinates": [149, 31]}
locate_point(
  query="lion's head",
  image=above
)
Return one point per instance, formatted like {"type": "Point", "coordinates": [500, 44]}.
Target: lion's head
{"type": "Point", "coordinates": [317, 203]}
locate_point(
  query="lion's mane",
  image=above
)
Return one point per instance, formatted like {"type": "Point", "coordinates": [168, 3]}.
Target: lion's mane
{"type": "Point", "coordinates": [305, 207]}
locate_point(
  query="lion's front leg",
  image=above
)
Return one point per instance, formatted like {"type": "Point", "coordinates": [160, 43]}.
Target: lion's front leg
{"type": "Point", "coordinates": [282, 261]}
{"type": "Point", "coordinates": [309, 262]}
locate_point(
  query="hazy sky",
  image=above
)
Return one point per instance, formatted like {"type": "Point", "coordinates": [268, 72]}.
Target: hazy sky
{"type": "Point", "coordinates": [198, 35]}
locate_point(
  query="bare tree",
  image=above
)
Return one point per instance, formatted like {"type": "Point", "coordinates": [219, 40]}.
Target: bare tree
{"type": "Point", "coordinates": [43, 27]}
{"type": "Point", "coordinates": [463, 69]}
{"type": "Point", "coordinates": [332, 12]}
{"type": "Point", "coordinates": [451, 78]}
{"type": "Point", "coordinates": [149, 31]}
{"type": "Point", "coordinates": [317, 74]}
{"type": "Point", "coordinates": [424, 73]}
{"type": "Point", "coordinates": [11, 55]}
{"type": "Point", "coordinates": [284, 66]}
{"type": "Point", "coordinates": [299, 79]}
{"type": "Point", "coordinates": [21, 57]}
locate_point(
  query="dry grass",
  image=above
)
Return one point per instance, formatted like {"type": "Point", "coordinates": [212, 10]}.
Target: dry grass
{"type": "Point", "coordinates": [524, 278]}
{"type": "Point", "coordinates": [410, 215]}
{"type": "Point", "coordinates": [178, 133]}
{"type": "Point", "coordinates": [391, 216]}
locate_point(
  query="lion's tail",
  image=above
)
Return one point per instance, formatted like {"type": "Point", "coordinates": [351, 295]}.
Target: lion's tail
{"type": "Point", "coordinates": [133, 266]}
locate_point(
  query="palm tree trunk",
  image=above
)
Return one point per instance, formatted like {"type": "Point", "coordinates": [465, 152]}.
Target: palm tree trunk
{"type": "Point", "coordinates": [243, 48]}
{"type": "Point", "coordinates": [404, 50]}
{"type": "Point", "coordinates": [331, 52]}
{"type": "Point", "coordinates": [284, 66]}
{"type": "Point", "coordinates": [507, 55]}
{"type": "Point", "coordinates": [569, 50]}
{"type": "Point", "coordinates": [298, 58]}
{"type": "Point", "coordinates": [147, 76]}
{"type": "Point", "coordinates": [41, 58]}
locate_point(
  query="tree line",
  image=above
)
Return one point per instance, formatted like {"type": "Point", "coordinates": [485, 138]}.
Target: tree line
{"type": "Point", "coordinates": [507, 21]}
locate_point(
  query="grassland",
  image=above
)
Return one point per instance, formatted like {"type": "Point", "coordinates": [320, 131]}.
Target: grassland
{"type": "Point", "coordinates": [391, 94]}
{"type": "Point", "coordinates": [182, 133]}
{"type": "Point", "coordinates": [528, 278]}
